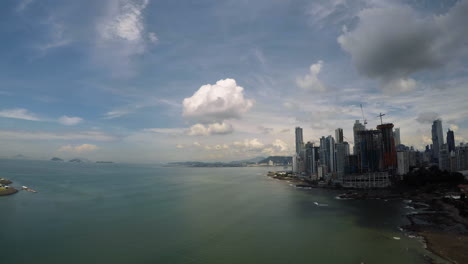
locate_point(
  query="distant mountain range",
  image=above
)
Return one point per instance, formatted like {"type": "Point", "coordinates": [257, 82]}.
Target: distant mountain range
{"type": "Point", "coordinates": [240, 163]}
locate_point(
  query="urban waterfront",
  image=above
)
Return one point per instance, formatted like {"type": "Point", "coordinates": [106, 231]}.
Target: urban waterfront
{"type": "Point", "coordinates": [116, 213]}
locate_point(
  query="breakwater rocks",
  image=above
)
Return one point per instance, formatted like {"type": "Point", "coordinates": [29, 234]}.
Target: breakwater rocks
{"type": "Point", "coordinates": [5, 189]}
{"type": "Point", "coordinates": [5, 181]}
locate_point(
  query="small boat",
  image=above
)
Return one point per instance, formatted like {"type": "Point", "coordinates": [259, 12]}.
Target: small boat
{"type": "Point", "coordinates": [396, 238]}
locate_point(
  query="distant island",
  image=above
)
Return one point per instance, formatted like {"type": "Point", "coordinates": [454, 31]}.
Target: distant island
{"type": "Point", "coordinates": [101, 161]}
{"type": "Point", "coordinates": [258, 161]}
{"type": "Point", "coordinates": [76, 160]}
{"type": "Point", "coordinates": [56, 159]}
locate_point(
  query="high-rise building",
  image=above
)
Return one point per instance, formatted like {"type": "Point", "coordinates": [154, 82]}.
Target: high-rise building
{"type": "Point", "coordinates": [437, 138]}
{"type": "Point", "coordinates": [370, 151]}
{"type": "Point", "coordinates": [403, 162]}
{"type": "Point", "coordinates": [444, 158]}
{"type": "Point", "coordinates": [311, 166]}
{"type": "Point", "coordinates": [396, 135]}
{"type": "Point", "coordinates": [357, 127]}
{"type": "Point", "coordinates": [341, 159]}
{"type": "Point", "coordinates": [323, 152]}
{"type": "Point", "coordinates": [330, 141]}
{"type": "Point", "coordinates": [450, 141]}
{"type": "Point", "coordinates": [339, 135]}
{"type": "Point", "coordinates": [299, 140]}
{"type": "Point", "coordinates": [388, 146]}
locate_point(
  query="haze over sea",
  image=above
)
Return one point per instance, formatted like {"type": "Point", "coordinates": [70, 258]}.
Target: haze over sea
{"type": "Point", "coordinates": [121, 213]}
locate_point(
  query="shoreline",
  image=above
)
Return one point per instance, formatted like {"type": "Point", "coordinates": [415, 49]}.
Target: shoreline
{"type": "Point", "coordinates": [436, 219]}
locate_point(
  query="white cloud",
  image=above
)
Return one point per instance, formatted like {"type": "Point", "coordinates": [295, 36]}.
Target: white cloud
{"type": "Point", "coordinates": [152, 37]}
{"type": "Point", "coordinates": [19, 113]}
{"type": "Point", "coordinates": [121, 36]}
{"type": "Point", "coordinates": [40, 135]}
{"type": "Point", "coordinates": [115, 114]}
{"type": "Point", "coordinates": [248, 145]}
{"type": "Point", "coordinates": [311, 81]}
{"type": "Point", "coordinates": [70, 121]}
{"type": "Point", "coordinates": [126, 22]}
{"type": "Point", "coordinates": [215, 103]}
{"type": "Point", "coordinates": [79, 148]}
{"type": "Point", "coordinates": [454, 127]}
{"type": "Point", "coordinates": [211, 129]}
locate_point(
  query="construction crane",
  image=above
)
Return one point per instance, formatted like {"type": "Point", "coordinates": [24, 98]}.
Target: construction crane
{"type": "Point", "coordinates": [380, 115]}
{"type": "Point", "coordinates": [363, 118]}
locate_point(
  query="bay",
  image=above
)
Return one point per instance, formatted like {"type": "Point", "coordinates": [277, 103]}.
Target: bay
{"type": "Point", "coordinates": [124, 213]}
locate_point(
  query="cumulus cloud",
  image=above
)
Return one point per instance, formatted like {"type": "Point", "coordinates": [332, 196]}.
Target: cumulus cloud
{"type": "Point", "coordinates": [311, 81]}
{"type": "Point", "coordinates": [391, 43]}
{"type": "Point", "coordinates": [70, 121]}
{"type": "Point", "coordinates": [249, 145]}
{"type": "Point", "coordinates": [19, 113]}
{"type": "Point", "coordinates": [217, 102]}
{"type": "Point", "coordinates": [79, 148]}
{"type": "Point", "coordinates": [427, 117]}
{"type": "Point", "coordinates": [211, 129]}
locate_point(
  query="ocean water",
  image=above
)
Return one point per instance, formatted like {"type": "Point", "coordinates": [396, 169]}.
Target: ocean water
{"type": "Point", "coordinates": [120, 213]}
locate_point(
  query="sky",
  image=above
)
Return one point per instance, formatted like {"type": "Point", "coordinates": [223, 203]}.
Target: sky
{"type": "Point", "coordinates": [158, 81]}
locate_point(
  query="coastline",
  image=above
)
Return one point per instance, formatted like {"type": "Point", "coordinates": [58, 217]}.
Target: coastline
{"type": "Point", "coordinates": [436, 218]}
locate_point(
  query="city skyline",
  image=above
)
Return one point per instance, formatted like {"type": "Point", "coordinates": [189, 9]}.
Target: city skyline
{"type": "Point", "coordinates": [230, 81]}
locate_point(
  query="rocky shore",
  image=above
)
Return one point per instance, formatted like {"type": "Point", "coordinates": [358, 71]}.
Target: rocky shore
{"type": "Point", "coordinates": [443, 223]}
{"type": "Point", "coordinates": [439, 215]}
{"type": "Point", "coordinates": [5, 189]}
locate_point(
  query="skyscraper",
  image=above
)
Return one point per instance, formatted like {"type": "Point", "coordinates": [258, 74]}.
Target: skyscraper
{"type": "Point", "coordinates": [299, 140]}
{"type": "Point", "coordinates": [357, 127]}
{"type": "Point", "coordinates": [450, 141]}
{"type": "Point", "coordinates": [388, 146]}
{"type": "Point", "coordinates": [310, 159]}
{"type": "Point", "coordinates": [341, 157]}
{"type": "Point", "coordinates": [339, 135]}
{"type": "Point", "coordinates": [396, 136]}
{"type": "Point", "coordinates": [330, 147]}
{"type": "Point", "coordinates": [437, 138]}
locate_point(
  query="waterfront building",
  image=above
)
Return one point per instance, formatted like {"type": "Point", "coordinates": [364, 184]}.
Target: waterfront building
{"type": "Point", "coordinates": [357, 127]}
{"type": "Point", "coordinates": [299, 140]}
{"type": "Point", "coordinates": [294, 163]}
{"type": "Point", "coordinates": [388, 146]}
{"type": "Point", "coordinates": [450, 140]}
{"type": "Point", "coordinates": [339, 135]}
{"type": "Point", "coordinates": [367, 180]}
{"type": "Point", "coordinates": [370, 150]}
{"type": "Point", "coordinates": [396, 136]}
{"type": "Point", "coordinates": [437, 139]}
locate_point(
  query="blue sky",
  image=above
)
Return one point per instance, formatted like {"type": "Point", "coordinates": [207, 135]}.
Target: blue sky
{"type": "Point", "coordinates": [156, 81]}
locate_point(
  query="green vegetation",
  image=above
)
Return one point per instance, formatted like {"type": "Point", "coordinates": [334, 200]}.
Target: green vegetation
{"type": "Point", "coordinates": [432, 176]}
{"type": "Point", "coordinates": [7, 190]}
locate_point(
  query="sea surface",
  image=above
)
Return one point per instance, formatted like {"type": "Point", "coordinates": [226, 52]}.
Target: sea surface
{"type": "Point", "coordinates": [121, 213]}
